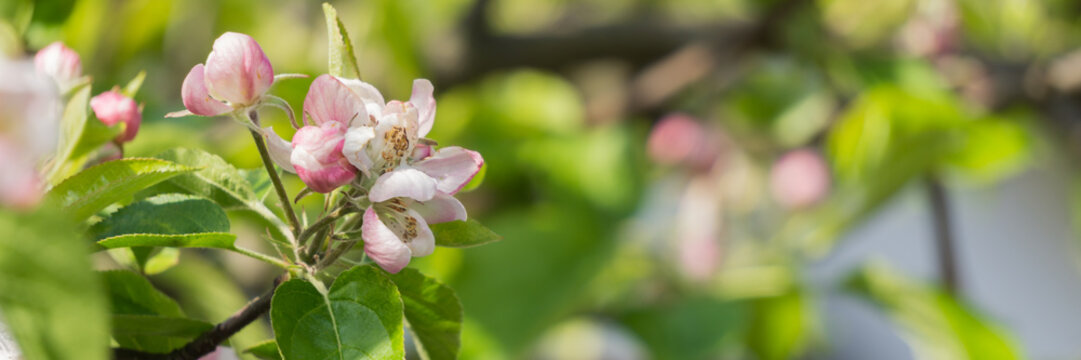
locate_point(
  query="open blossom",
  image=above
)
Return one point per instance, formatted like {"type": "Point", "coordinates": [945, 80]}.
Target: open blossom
{"type": "Point", "coordinates": [112, 107]}
{"type": "Point", "coordinates": [413, 182]}
{"type": "Point", "coordinates": [236, 75]}
{"type": "Point", "coordinates": [61, 63]}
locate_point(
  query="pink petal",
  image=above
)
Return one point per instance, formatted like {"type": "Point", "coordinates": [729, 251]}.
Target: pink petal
{"type": "Point", "coordinates": [382, 245]}
{"type": "Point", "coordinates": [373, 100]}
{"type": "Point", "coordinates": [112, 107]}
{"type": "Point", "coordinates": [237, 70]}
{"type": "Point", "coordinates": [330, 100]}
{"type": "Point", "coordinates": [59, 62]}
{"type": "Point", "coordinates": [195, 95]}
{"type": "Point", "coordinates": [452, 167]}
{"type": "Point", "coordinates": [423, 99]}
{"type": "Point", "coordinates": [424, 243]}
{"type": "Point", "coordinates": [403, 182]}
{"type": "Point", "coordinates": [317, 157]}
{"type": "Point", "coordinates": [440, 209]}
{"type": "Point", "coordinates": [280, 150]}
{"type": "Point", "coordinates": [421, 151]}
{"type": "Point", "coordinates": [324, 179]}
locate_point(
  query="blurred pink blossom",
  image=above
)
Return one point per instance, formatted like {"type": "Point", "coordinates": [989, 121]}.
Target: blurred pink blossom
{"type": "Point", "coordinates": [698, 229]}
{"type": "Point", "coordinates": [61, 63]}
{"type": "Point", "coordinates": [799, 179]}
{"type": "Point", "coordinates": [112, 107]}
{"type": "Point", "coordinates": [681, 139]}
{"type": "Point", "coordinates": [21, 186]}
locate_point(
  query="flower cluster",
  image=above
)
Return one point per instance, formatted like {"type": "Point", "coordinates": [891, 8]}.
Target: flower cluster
{"type": "Point", "coordinates": [351, 136]}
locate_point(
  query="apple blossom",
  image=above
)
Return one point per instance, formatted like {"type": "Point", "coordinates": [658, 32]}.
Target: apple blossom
{"type": "Point", "coordinates": [30, 110]}
{"type": "Point", "coordinates": [800, 178]}
{"type": "Point", "coordinates": [112, 107]}
{"type": "Point", "coordinates": [236, 76]}
{"type": "Point", "coordinates": [61, 63]}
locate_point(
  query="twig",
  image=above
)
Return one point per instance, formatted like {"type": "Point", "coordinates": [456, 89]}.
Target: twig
{"type": "Point", "coordinates": [283, 197]}
{"type": "Point", "coordinates": [944, 241]}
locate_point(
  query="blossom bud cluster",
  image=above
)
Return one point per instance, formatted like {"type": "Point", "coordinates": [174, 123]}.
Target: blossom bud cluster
{"type": "Point", "coordinates": [351, 137]}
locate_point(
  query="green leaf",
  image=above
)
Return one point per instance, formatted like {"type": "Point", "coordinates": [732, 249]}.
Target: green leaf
{"type": "Point", "coordinates": [939, 326]}
{"type": "Point", "coordinates": [166, 214]}
{"type": "Point", "coordinates": [433, 312]}
{"type": "Point", "coordinates": [221, 182]}
{"type": "Point", "coordinates": [133, 296]}
{"type": "Point", "coordinates": [51, 300]}
{"type": "Point", "coordinates": [343, 62]}
{"type": "Point", "coordinates": [132, 293]}
{"type": "Point", "coordinates": [360, 317]}
{"type": "Point", "coordinates": [178, 328]}
{"type": "Point", "coordinates": [265, 350]}
{"type": "Point", "coordinates": [260, 182]}
{"type": "Point", "coordinates": [463, 234]}
{"type": "Point", "coordinates": [72, 125]}
{"type": "Point", "coordinates": [779, 326]}
{"type": "Point", "coordinates": [94, 136]}
{"type": "Point", "coordinates": [199, 240]}
{"type": "Point", "coordinates": [133, 86]}
{"type": "Point", "coordinates": [95, 188]}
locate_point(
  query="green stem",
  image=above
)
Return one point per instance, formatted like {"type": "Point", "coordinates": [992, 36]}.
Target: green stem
{"type": "Point", "coordinates": [262, 257]}
{"type": "Point", "coordinates": [283, 197]}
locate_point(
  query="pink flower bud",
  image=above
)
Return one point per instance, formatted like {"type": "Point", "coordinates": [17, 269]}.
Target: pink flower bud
{"type": "Point", "coordinates": [799, 179]}
{"type": "Point", "coordinates": [61, 63]}
{"type": "Point", "coordinates": [112, 107]}
{"type": "Point", "coordinates": [317, 157]}
{"type": "Point", "coordinates": [236, 75]}
{"type": "Point", "coordinates": [237, 70]}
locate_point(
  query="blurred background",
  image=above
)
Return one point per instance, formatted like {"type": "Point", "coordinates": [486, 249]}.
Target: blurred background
{"type": "Point", "coordinates": [682, 179]}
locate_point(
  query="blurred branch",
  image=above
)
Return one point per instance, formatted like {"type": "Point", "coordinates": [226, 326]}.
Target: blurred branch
{"type": "Point", "coordinates": [209, 341]}
{"type": "Point", "coordinates": [642, 42]}
{"type": "Point", "coordinates": [944, 241]}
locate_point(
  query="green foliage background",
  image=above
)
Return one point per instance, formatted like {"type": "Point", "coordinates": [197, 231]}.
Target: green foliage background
{"type": "Point", "coordinates": [567, 179]}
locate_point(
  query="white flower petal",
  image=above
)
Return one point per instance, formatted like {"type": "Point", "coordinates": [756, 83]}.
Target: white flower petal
{"type": "Point", "coordinates": [355, 148]}
{"type": "Point", "coordinates": [424, 243]}
{"type": "Point", "coordinates": [440, 209]}
{"type": "Point", "coordinates": [373, 100]}
{"type": "Point", "coordinates": [452, 167]}
{"type": "Point", "coordinates": [423, 99]}
{"type": "Point", "coordinates": [403, 182]}
{"type": "Point", "coordinates": [280, 150]}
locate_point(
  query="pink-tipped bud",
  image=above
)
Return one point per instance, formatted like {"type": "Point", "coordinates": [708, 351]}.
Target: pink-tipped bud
{"type": "Point", "coordinates": [799, 179]}
{"type": "Point", "coordinates": [61, 63]}
{"type": "Point", "coordinates": [317, 157]}
{"type": "Point", "coordinates": [112, 107]}
{"type": "Point", "coordinates": [237, 70]}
